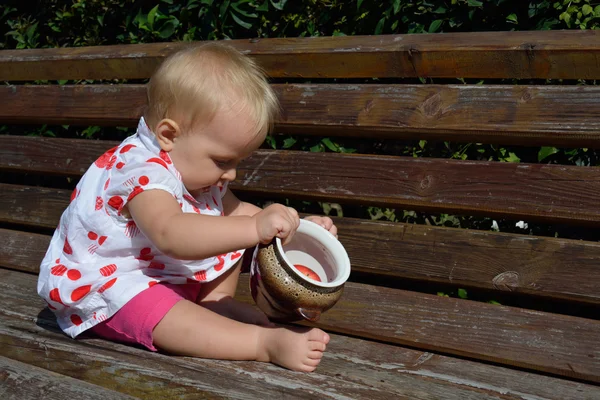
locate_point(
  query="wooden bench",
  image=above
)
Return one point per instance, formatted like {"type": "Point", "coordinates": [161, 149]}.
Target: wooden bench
{"type": "Point", "coordinates": [392, 336]}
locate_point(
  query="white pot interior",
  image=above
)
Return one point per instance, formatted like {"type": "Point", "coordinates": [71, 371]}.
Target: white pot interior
{"type": "Point", "coordinates": [314, 247]}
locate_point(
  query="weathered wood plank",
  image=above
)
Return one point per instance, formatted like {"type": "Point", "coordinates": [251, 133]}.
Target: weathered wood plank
{"type": "Point", "coordinates": [531, 115]}
{"type": "Point", "coordinates": [20, 381]}
{"type": "Point", "coordinates": [551, 343]}
{"type": "Point", "coordinates": [363, 369]}
{"type": "Point", "coordinates": [527, 54]}
{"type": "Point", "coordinates": [542, 192]}
{"type": "Point", "coordinates": [544, 267]}
{"type": "Point", "coordinates": [32, 206]}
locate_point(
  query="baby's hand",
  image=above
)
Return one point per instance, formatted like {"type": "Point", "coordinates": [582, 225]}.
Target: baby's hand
{"type": "Point", "coordinates": [276, 221]}
{"type": "Point", "coordinates": [325, 222]}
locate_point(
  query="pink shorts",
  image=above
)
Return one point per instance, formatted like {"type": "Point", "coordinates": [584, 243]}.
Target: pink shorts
{"type": "Point", "coordinates": [136, 320]}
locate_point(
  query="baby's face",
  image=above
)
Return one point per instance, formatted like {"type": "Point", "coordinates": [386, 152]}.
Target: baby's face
{"type": "Point", "coordinates": [209, 153]}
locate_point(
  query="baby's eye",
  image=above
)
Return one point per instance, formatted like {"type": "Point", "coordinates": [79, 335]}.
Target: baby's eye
{"type": "Point", "coordinates": [222, 163]}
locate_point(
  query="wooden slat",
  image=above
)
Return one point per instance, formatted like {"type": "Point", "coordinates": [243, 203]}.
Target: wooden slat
{"type": "Point", "coordinates": [543, 267]}
{"type": "Point", "coordinates": [534, 54]}
{"type": "Point", "coordinates": [32, 206]}
{"type": "Point", "coordinates": [350, 367]}
{"type": "Point", "coordinates": [529, 115]}
{"type": "Point", "coordinates": [542, 192]}
{"type": "Point", "coordinates": [23, 381]}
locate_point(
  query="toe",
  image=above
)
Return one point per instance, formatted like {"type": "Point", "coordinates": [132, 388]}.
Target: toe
{"type": "Point", "coordinates": [308, 368]}
{"type": "Point", "coordinates": [311, 363]}
{"type": "Point", "coordinates": [318, 346]}
{"type": "Point", "coordinates": [315, 355]}
{"type": "Point", "coordinates": [318, 335]}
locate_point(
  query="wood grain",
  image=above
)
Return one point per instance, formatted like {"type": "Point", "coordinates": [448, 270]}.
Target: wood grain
{"type": "Point", "coordinates": [525, 115]}
{"type": "Point", "coordinates": [32, 206]}
{"type": "Point", "coordinates": [542, 267]}
{"type": "Point", "coordinates": [351, 367]}
{"type": "Point", "coordinates": [20, 381]}
{"type": "Point", "coordinates": [528, 54]}
{"type": "Point", "coordinates": [541, 192]}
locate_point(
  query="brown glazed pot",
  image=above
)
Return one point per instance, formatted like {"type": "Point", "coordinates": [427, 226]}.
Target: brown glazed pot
{"type": "Point", "coordinates": [282, 292]}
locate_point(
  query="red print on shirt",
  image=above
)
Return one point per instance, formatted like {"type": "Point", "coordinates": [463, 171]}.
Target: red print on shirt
{"type": "Point", "coordinates": [80, 292]}
{"type": "Point", "coordinates": [55, 297]}
{"type": "Point", "coordinates": [94, 236]}
{"type": "Point", "coordinates": [107, 285]}
{"type": "Point", "coordinates": [145, 254]}
{"type": "Point", "coordinates": [165, 157]}
{"type": "Point", "coordinates": [131, 229]}
{"type": "Point", "coordinates": [74, 194]}
{"type": "Point", "coordinates": [108, 270]}
{"type": "Point", "coordinates": [126, 148]}
{"type": "Point", "coordinates": [200, 275]}
{"type": "Point", "coordinates": [99, 203]}
{"type": "Point", "coordinates": [221, 262]}
{"type": "Point", "coordinates": [158, 161]}
{"type": "Point", "coordinates": [107, 159]}
{"type": "Point", "coordinates": [67, 249]}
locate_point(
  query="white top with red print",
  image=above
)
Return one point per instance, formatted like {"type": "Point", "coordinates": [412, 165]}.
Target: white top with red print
{"type": "Point", "coordinates": [98, 259]}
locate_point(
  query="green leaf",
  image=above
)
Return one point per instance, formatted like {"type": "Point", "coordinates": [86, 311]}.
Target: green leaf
{"type": "Point", "coordinates": [263, 7]}
{"type": "Point", "coordinates": [435, 25]}
{"type": "Point", "coordinates": [379, 27]}
{"type": "Point", "coordinates": [271, 141]}
{"type": "Point", "coordinates": [168, 28]}
{"type": "Point", "coordinates": [358, 3]}
{"type": "Point", "coordinates": [396, 6]}
{"type": "Point", "coordinates": [223, 9]}
{"type": "Point", "coordinates": [474, 3]}
{"type": "Point", "coordinates": [240, 22]}
{"type": "Point", "coordinates": [462, 293]}
{"type": "Point", "coordinates": [512, 18]}
{"type": "Point", "coordinates": [330, 145]}
{"type": "Point", "coordinates": [318, 148]}
{"type": "Point", "coordinates": [494, 302]}
{"type": "Point", "coordinates": [152, 16]}
{"type": "Point", "coordinates": [279, 4]}
{"type": "Point", "coordinates": [512, 157]}
{"type": "Point", "coordinates": [289, 142]}
{"type": "Point", "coordinates": [587, 9]}
{"type": "Point", "coordinates": [546, 152]}
{"type": "Point", "coordinates": [242, 12]}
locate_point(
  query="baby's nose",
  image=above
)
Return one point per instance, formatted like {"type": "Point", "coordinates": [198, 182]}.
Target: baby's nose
{"type": "Point", "coordinates": [230, 175]}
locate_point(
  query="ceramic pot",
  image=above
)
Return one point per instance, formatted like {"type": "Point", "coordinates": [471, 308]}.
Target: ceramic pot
{"type": "Point", "coordinates": [302, 279]}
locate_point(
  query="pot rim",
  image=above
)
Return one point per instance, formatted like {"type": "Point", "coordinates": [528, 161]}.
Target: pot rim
{"type": "Point", "coordinates": [340, 256]}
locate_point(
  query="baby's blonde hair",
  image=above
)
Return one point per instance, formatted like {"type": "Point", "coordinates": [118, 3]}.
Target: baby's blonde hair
{"type": "Point", "coordinates": [192, 84]}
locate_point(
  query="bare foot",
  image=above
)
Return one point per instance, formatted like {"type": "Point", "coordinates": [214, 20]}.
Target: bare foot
{"type": "Point", "coordinates": [298, 349]}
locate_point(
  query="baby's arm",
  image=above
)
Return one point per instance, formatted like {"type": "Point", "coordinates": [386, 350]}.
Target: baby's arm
{"type": "Point", "coordinates": [191, 236]}
{"type": "Point", "coordinates": [234, 206]}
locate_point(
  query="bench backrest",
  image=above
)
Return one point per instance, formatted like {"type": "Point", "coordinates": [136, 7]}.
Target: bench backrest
{"type": "Point", "coordinates": [528, 268]}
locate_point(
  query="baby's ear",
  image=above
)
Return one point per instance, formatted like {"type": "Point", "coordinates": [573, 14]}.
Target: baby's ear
{"type": "Point", "coordinates": [166, 131]}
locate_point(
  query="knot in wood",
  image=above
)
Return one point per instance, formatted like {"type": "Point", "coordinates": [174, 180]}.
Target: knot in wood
{"type": "Point", "coordinates": [432, 105]}
{"type": "Point", "coordinates": [525, 97]}
{"type": "Point", "coordinates": [508, 280]}
{"type": "Point", "coordinates": [426, 182]}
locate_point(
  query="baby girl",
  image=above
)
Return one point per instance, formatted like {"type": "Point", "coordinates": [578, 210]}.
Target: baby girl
{"type": "Point", "coordinates": [148, 251]}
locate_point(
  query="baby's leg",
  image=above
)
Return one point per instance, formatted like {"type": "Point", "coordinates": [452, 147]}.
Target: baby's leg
{"type": "Point", "coordinates": [191, 330]}
{"type": "Point", "coordinates": [218, 296]}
